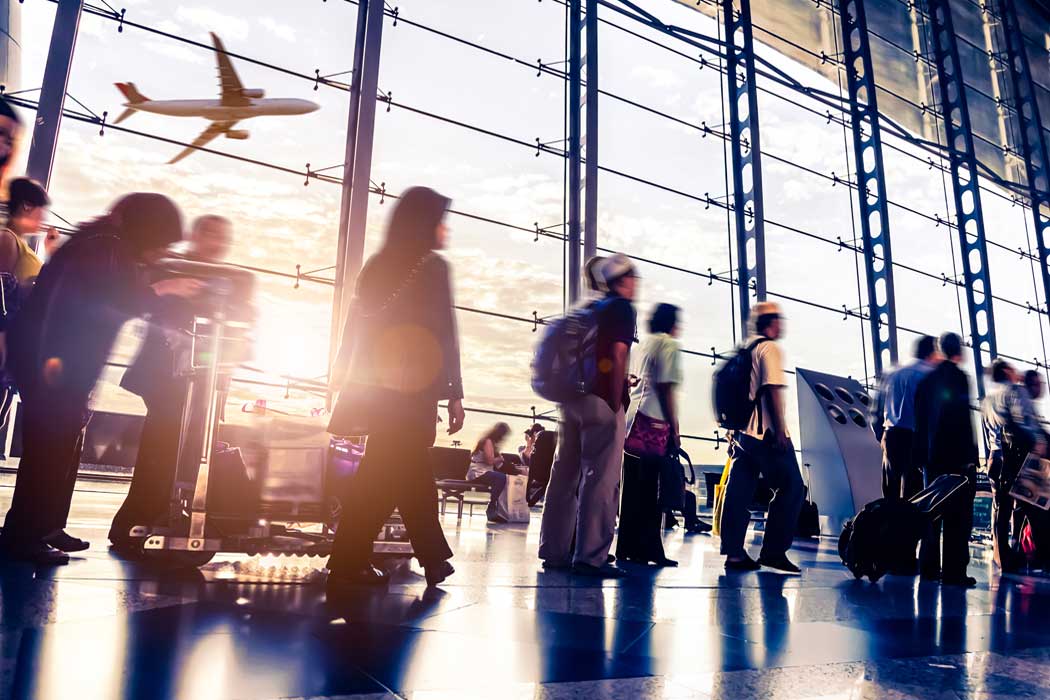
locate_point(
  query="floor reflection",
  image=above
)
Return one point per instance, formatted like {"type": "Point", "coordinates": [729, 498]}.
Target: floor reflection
{"type": "Point", "coordinates": [503, 627]}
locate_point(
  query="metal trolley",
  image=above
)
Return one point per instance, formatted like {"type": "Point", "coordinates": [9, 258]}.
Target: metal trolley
{"type": "Point", "coordinates": [194, 532]}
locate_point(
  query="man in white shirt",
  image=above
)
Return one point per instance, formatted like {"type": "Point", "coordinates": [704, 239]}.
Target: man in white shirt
{"type": "Point", "coordinates": [764, 448]}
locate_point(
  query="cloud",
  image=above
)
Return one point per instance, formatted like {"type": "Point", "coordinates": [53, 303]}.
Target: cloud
{"type": "Point", "coordinates": [278, 29]}
{"type": "Point", "coordinates": [657, 77]}
{"type": "Point", "coordinates": [222, 24]}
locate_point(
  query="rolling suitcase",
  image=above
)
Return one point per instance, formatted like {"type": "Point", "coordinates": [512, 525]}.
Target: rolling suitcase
{"type": "Point", "coordinates": [887, 531]}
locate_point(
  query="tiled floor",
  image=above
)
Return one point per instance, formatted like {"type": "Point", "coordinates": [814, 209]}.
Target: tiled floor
{"type": "Point", "coordinates": [502, 628]}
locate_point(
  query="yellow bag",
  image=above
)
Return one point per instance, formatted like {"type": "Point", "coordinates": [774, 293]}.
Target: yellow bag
{"type": "Point", "coordinates": [720, 494]}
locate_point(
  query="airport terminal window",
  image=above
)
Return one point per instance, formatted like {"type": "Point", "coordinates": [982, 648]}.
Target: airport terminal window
{"type": "Point", "coordinates": [663, 190]}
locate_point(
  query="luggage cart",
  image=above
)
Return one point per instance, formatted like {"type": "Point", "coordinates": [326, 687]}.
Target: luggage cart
{"type": "Point", "coordinates": [195, 533]}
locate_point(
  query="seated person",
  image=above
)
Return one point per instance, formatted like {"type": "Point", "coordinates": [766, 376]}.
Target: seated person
{"type": "Point", "coordinates": [486, 464]}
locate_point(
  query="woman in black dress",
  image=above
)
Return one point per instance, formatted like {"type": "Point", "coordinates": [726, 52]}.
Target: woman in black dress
{"type": "Point", "coordinates": [399, 357]}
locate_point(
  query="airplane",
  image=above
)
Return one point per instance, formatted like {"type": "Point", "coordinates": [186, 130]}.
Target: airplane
{"type": "Point", "coordinates": [235, 104]}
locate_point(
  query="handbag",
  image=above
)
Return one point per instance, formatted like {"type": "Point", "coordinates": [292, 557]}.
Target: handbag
{"type": "Point", "coordinates": [720, 497]}
{"type": "Point", "coordinates": [648, 437]}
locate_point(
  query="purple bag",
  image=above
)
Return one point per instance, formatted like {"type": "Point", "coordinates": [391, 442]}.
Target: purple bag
{"type": "Point", "coordinates": [648, 437]}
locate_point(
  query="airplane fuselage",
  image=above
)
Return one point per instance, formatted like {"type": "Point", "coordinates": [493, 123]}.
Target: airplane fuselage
{"type": "Point", "coordinates": [217, 112]}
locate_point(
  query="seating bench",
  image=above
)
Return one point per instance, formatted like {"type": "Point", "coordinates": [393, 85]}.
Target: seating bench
{"type": "Point", "coordinates": [450, 466]}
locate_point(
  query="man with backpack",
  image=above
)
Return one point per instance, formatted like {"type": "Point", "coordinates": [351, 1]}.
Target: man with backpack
{"type": "Point", "coordinates": [945, 444]}
{"type": "Point", "coordinates": [583, 494]}
{"type": "Point", "coordinates": [760, 445]}
{"type": "Point", "coordinates": [1012, 431]}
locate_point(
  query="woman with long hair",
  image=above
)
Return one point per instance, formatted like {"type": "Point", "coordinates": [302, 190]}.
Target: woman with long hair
{"type": "Point", "coordinates": [653, 421]}
{"type": "Point", "coordinates": [57, 348]}
{"type": "Point", "coordinates": [399, 357]}
{"type": "Point", "coordinates": [485, 463]}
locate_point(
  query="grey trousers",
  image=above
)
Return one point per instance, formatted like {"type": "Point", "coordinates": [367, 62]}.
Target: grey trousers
{"type": "Point", "coordinates": [584, 492]}
{"type": "Point", "coordinates": [780, 469]}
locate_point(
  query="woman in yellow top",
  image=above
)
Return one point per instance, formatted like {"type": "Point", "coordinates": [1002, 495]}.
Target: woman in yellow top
{"type": "Point", "coordinates": [26, 205]}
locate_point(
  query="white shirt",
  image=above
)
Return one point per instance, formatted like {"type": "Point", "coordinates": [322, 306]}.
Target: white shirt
{"type": "Point", "coordinates": [661, 363]}
{"type": "Point", "coordinates": [767, 370]}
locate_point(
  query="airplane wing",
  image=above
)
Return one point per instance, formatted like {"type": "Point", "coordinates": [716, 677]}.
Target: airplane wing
{"type": "Point", "coordinates": [214, 130]}
{"type": "Point", "coordinates": [230, 86]}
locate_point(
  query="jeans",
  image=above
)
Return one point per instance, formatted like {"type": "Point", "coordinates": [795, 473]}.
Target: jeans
{"type": "Point", "coordinates": [496, 481]}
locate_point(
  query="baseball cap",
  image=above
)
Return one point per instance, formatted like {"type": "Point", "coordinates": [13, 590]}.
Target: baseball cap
{"type": "Point", "coordinates": [616, 266]}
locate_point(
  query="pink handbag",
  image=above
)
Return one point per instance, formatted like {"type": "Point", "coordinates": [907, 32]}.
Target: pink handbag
{"type": "Point", "coordinates": [648, 437]}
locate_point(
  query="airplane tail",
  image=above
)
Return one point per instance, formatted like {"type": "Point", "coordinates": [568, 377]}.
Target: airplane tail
{"type": "Point", "coordinates": [131, 93]}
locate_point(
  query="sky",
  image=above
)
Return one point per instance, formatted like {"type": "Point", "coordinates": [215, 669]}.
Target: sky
{"type": "Point", "coordinates": [280, 223]}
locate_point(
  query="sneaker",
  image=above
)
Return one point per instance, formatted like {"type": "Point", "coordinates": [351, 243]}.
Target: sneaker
{"type": "Point", "coordinates": [61, 540]}
{"type": "Point", "coordinates": [964, 582]}
{"type": "Point", "coordinates": [698, 528]}
{"type": "Point", "coordinates": [780, 563]}
{"type": "Point", "coordinates": [549, 565]}
{"type": "Point", "coordinates": [606, 571]}
{"type": "Point", "coordinates": [437, 573]}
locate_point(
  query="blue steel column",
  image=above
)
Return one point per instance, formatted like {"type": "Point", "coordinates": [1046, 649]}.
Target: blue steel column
{"type": "Point", "coordinates": [573, 147]}
{"type": "Point", "coordinates": [747, 160]}
{"type": "Point", "coordinates": [871, 182]}
{"type": "Point", "coordinates": [1034, 150]}
{"type": "Point", "coordinates": [963, 162]}
{"type": "Point", "coordinates": [53, 91]}
{"type": "Point", "coordinates": [343, 244]}
{"type": "Point", "coordinates": [590, 133]}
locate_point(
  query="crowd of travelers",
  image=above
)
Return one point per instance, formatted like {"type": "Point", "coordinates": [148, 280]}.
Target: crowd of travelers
{"type": "Point", "coordinates": [617, 477]}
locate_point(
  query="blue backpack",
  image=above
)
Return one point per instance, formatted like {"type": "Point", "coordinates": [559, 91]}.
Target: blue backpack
{"type": "Point", "coordinates": [565, 365]}
{"type": "Point", "coordinates": [731, 389]}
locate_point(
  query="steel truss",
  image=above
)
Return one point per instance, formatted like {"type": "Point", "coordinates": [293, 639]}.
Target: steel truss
{"type": "Point", "coordinates": [871, 182]}
{"type": "Point", "coordinates": [962, 159]}
{"type": "Point", "coordinates": [1034, 151]}
{"type": "Point", "coordinates": [747, 158]}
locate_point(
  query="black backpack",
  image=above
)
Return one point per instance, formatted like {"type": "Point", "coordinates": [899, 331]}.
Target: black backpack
{"type": "Point", "coordinates": [887, 530]}
{"type": "Point", "coordinates": [732, 389]}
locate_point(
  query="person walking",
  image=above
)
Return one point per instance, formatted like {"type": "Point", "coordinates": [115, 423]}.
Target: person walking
{"type": "Point", "coordinates": [58, 347]}
{"type": "Point", "coordinates": [579, 514]}
{"type": "Point", "coordinates": [399, 357]}
{"type": "Point", "coordinates": [893, 420]}
{"type": "Point", "coordinates": [153, 375]}
{"type": "Point", "coordinates": [764, 448]}
{"type": "Point", "coordinates": [945, 444]}
{"type": "Point", "coordinates": [653, 417]}
{"type": "Point", "coordinates": [1012, 432]}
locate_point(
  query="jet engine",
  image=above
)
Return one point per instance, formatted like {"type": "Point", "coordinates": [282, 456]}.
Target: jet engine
{"type": "Point", "coordinates": [238, 134]}
{"type": "Point", "coordinates": [254, 93]}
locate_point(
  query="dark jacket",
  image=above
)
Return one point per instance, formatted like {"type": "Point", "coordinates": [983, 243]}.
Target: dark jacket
{"type": "Point", "coordinates": [403, 341]}
{"type": "Point", "coordinates": [944, 436]}
{"type": "Point", "coordinates": [70, 321]}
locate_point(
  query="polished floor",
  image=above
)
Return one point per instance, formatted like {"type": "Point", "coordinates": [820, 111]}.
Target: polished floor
{"type": "Point", "coordinates": [502, 628]}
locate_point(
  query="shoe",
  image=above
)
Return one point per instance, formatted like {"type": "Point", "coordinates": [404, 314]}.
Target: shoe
{"type": "Point", "coordinates": [611, 559]}
{"type": "Point", "coordinates": [366, 576]}
{"type": "Point", "coordinates": [671, 523]}
{"type": "Point", "coordinates": [666, 563]}
{"type": "Point", "coordinates": [745, 564]}
{"type": "Point", "coordinates": [698, 528]}
{"type": "Point", "coordinates": [606, 571]}
{"type": "Point", "coordinates": [556, 565]}
{"type": "Point", "coordinates": [964, 582]}
{"type": "Point", "coordinates": [436, 573]}
{"type": "Point", "coordinates": [61, 540]}
{"type": "Point", "coordinates": [780, 563]}
{"type": "Point", "coordinates": [39, 554]}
